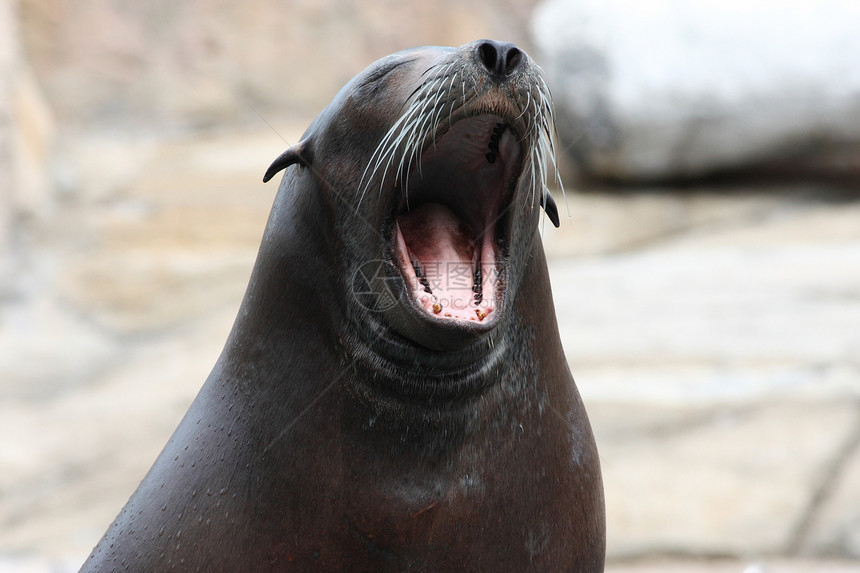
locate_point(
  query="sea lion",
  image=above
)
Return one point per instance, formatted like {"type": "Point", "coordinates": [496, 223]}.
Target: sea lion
{"type": "Point", "coordinates": [393, 394]}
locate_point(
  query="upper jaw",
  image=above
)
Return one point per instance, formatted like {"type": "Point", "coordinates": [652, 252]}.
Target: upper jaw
{"type": "Point", "coordinates": [450, 224]}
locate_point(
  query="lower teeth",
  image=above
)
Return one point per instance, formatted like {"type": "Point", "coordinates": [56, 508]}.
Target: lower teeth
{"type": "Point", "coordinates": [477, 288]}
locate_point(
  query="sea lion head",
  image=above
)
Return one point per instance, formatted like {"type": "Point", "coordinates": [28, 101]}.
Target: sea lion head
{"type": "Point", "coordinates": [433, 161]}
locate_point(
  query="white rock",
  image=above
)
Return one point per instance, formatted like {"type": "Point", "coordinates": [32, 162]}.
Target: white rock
{"type": "Point", "coordinates": [661, 89]}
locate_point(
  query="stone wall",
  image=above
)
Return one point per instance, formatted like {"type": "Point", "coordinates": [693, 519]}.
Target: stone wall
{"type": "Point", "coordinates": [26, 139]}
{"type": "Point", "coordinates": [206, 62]}
{"type": "Point", "coordinates": [8, 59]}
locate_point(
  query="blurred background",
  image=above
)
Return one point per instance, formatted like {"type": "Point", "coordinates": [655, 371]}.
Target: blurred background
{"type": "Point", "coordinates": [706, 274]}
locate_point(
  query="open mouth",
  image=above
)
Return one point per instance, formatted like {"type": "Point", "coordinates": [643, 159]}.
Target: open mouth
{"type": "Point", "coordinates": [450, 226]}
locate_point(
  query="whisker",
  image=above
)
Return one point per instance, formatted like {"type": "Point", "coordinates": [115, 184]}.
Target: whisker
{"type": "Point", "coordinates": [421, 121]}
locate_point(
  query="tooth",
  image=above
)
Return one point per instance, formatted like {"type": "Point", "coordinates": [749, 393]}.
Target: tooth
{"type": "Point", "coordinates": [477, 277]}
{"type": "Point", "coordinates": [416, 265]}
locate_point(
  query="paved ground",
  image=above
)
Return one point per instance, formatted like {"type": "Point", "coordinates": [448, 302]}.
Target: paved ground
{"type": "Point", "coordinates": [652, 566]}
{"type": "Point", "coordinates": [713, 333]}
{"type": "Point", "coordinates": [727, 566]}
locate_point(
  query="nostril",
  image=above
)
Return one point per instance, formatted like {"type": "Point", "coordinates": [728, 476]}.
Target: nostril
{"type": "Point", "coordinates": [489, 55]}
{"type": "Point", "coordinates": [501, 59]}
{"type": "Point", "coordinates": [512, 60]}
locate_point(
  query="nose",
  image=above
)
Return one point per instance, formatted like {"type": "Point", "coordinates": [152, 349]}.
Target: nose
{"type": "Point", "coordinates": [500, 58]}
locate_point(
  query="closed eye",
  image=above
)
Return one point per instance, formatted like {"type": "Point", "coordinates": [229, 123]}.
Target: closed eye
{"type": "Point", "coordinates": [384, 70]}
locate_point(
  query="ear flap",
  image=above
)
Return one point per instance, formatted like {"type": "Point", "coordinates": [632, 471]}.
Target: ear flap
{"type": "Point", "coordinates": [299, 153]}
{"type": "Point", "coordinates": [548, 204]}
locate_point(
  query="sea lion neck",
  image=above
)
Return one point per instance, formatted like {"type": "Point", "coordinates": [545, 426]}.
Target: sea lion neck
{"type": "Point", "coordinates": [394, 375]}
{"type": "Point", "coordinates": [296, 265]}
{"type": "Point", "coordinates": [399, 384]}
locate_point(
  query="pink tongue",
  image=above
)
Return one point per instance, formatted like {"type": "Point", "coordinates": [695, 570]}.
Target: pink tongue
{"type": "Point", "coordinates": [436, 235]}
{"type": "Point", "coordinates": [443, 246]}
